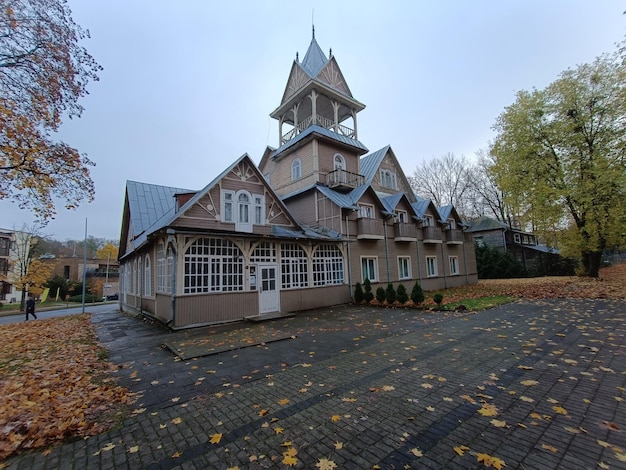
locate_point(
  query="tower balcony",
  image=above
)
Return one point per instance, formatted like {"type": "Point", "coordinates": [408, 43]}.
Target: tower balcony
{"type": "Point", "coordinates": [320, 121]}
{"type": "Point", "coordinates": [343, 180]}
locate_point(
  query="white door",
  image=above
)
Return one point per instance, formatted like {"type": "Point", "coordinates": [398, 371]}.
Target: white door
{"type": "Point", "coordinates": [269, 298]}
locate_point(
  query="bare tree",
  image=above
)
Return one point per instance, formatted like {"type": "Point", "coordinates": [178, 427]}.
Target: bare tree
{"type": "Point", "coordinates": [485, 197]}
{"type": "Point", "coordinates": [444, 180]}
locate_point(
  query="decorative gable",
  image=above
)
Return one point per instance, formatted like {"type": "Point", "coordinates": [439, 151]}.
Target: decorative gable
{"type": "Point", "coordinates": [332, 76]}
{"type": "Point", "coordinates": [297, 79]}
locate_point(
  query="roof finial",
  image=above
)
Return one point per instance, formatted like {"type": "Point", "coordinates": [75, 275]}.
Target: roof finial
{"type": "Point", "coordinates": [297, 57]}
{"type": "Point", "coordinates": [313, 31]}
{"type": "Point", "coordinates": [313, 21]}
{"type": "Point", "coordinates": [330, 52]}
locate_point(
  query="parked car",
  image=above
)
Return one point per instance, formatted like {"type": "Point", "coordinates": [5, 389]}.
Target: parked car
{"type": "Point", "coordinates": [112, 297]}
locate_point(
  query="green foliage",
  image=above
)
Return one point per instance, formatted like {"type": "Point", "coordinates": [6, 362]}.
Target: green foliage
{"type": "Point", "coordinates": [559, 158]}
{"type": "Point", "coordinates": [402, 294]}
{"type": "Point", "coordinates": [89, 298]}
{"type": "Point", "coordinates": [381, 294]}
{"type": "Point", "coordinates": [368, 296]}
{"type": "Point", "coordinates": [390, 294]}
{"type": "Point", "coordinates": [549, 264]}
{"type": "Point", "coordinates": [438, 298]}
{"type": "Point", "coordinates": [358, 293]}
{"type": "Point", "coordinates": [58, 283]}
{"type": "Point", "coordinates": [417, 294]}
{"type": "Point", "coordinates": [493, 263]}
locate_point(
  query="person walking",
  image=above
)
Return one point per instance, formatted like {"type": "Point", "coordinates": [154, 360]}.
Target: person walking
{"type": "Point", "coordinates": [30, 308]}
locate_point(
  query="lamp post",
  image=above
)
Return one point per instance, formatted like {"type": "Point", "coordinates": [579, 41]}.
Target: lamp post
{"type": "Point", "coordinates": [106, 278]}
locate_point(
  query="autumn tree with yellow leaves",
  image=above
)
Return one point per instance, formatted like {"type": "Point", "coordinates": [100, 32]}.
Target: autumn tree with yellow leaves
{"type": "Point", "coordinates": [43, 74]}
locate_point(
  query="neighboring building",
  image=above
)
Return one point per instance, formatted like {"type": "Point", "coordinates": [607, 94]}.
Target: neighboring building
{"type": "Point", "coordinates": [71, 269]}
{"type": "Point", "coordinates": [12, 245]}
{"type": "Point", "coordinates": [317, 216]}
{"type": "Point", "coordinates": [524, 246]}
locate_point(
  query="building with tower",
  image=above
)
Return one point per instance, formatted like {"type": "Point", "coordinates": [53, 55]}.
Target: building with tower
{"type": "Point", "coordinates": [317, 215]}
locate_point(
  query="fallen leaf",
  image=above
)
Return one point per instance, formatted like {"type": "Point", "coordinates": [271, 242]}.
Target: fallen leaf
{"type": "Point", "coordinates": [175, 455]}
{"type": "Point", "coordinates": [498, 424]}
{"type": "Point", "coordinates": [550, 448]}
{"type": "Point", "coordinates": [335, 418]}
{"type": "Point", "coordinates": [338, 445]}
{"type": "Point", "coordinates": [284, 401]}
{"type": "Point", "coordinates": [488, 410]}
{"type": "Point", "coordinates": [326, 464]}
{"type": "Point", "coordinates": [529, 383]}
{"type": "Point", "coordinates": [133, 450]}
{"type": "Point", "coordinates": [216, 438]}
{"type": "Point", "coordinates": [559, 410]}
{"type": "Point", "coordinates": [177, 420]}
{"type": "Point", "coordinates": [461, 450]}
{"type": "Point", "coordinates": [416, 452]}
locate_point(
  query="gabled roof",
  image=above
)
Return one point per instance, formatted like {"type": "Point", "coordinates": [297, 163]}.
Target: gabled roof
{"type": "Point", "coordinates": [421, 206]}
{"type": "Point", "coordinates": [485, 223]}
{"type": "Point", "coordinates": [321, 131]}
{"type": "Point", "coordinates": [390, 202]}
{"type": "Point", "coordinates": [369, 163]}
{"type": "Point", "coordinates": [148, 204]}
{"type": "Point", "coordinates": [314, 59]}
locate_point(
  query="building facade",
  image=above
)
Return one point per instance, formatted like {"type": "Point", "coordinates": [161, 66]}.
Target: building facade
{"type": "Point", "coordinates": [14, 250]}
{"type": "Point", "coordinates": [317, 215]}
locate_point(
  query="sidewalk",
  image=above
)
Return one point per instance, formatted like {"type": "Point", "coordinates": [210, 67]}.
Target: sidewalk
{"type": "Point", "coordinates": [531, 385]}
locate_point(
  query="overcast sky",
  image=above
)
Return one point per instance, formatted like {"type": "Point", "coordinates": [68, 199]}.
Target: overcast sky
{"type": "Point", "coordinates": [187, 86]}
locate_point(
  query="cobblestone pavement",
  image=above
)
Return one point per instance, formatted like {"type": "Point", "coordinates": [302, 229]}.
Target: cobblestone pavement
{"type": "Point", "coordinates": [529, 385]}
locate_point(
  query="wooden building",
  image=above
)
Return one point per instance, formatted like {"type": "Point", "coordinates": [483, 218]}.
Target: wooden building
{"type": "Point", "coordinates": [319, 214]}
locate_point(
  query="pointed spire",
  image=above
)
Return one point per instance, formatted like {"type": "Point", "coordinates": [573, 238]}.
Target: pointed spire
{"type": "Point", "coordinates": [313, 31]}
{"type": "Point", "coordinates": [330, 52]}
{"type": "Point", "coordinates": [297, 57]}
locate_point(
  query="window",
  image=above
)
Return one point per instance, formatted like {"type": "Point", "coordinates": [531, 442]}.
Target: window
{"type": "Point", "coordinates": [294, 266]}
{"type": "Point", "coordinates": [147, 277]}
{"type": "Point", "coordinates": [327, 265]}
{"type": "Point", "coordinates": [162, 278]}
{"type": "Point", "coordinates": [451, 224]}
{"type": "Point", "coordinates": [243, 208]}
{"type": "Point", "coordinates": [431, 266]}
{"type": "Point", "coordinates": [339, 162]}
{"type": "Point", "coordinates": [454, 265]}
{"type": "Point", "coordinates": [4, 266]}
{"type": "Point", "coordinates": [296, 169]}
{"type": "Point", "coordinates": [517, 238]}
{"type": "Point", "coordinates": [366, 211]}
{"type": "Point", "coordinates": [388, 179]}
{"type": "Point", "coordinates": [428, 221]}
{"type": "Point", "coordinates": [404, 267]}
{"type": "Point", "coordinates": [213, 265]}
{"type": "Point", "coordinates": [264, 252]}
{"type": "Point", "coordinates": [369, 268]}
{"type": "Point", "coordinates": [268, 178]}
{"type": "Point", "coordinates": [259, 210]}
{"type": "Point", "coordinates": [227, 206]}
{"type": "Point", "coordinates": [133, 278]}
{"type": "Point", "coordinates": [402, 217]}
{"type": "Point", "coordinates": [66, 272]}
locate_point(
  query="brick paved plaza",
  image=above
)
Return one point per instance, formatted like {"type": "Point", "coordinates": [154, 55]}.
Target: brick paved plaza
{"type": "Point", "coordinates": [529, 385]}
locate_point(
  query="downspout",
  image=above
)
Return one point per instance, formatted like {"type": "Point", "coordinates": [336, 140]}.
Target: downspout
{"type": "Point", "coordinates": [417, 253]}
{"type": "Point", "coordinates": [386, 249]}
{"type": "Point", "coordinates": [349, 258]}
{"type": "Point", "coordinates": [443, 260]}
{"type": "Point", "coordinates": [465, 260]}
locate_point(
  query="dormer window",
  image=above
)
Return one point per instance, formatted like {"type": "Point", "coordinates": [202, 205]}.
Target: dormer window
{"type": "Point", "coordinates": [296, 169]}
{"type": "Point", "coordinates": [366, 211]}
{"type": "Point", "coordinates": [402, 216]}
{"type": "Point", "coordinates": [388, 179]}
{"type": "Point", "coordinates": [428, 221]}
{"type": "Point", "coordinates": [451, 224]}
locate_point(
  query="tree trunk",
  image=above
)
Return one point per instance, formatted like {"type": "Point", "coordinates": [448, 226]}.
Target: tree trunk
{"type": "Point", "coordinates": [23, 301]}
{"type": "Point", "coordinates": [591, 262]}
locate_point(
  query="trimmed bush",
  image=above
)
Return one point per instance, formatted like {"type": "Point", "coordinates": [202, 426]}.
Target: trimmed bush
{"type": "Point", "coordinates": [417, 294]}
{"type": "Point", "coordinates": [402, 295]}
{"type": "Point", "coordinates": [381, 294]}
{"type": "Point", "coordinates": [438, 298]}
{"type": "Point", "coordinates": [390, 294]}
{"type": "Point", "coordinates": [89, 298]}
{"type": "Point", "coordinates": [358, 293]}
{"type": "Point", "coordinates": [368, 296]}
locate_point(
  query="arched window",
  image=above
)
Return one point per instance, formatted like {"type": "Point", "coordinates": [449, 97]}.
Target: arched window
{"type": "Point", "coordinates": [243, 222]}
{"type": "Point", "coordinates": [296, 169]}
{"type": "Point", "coordinates": [147, 277]}
{"type": "Point", "coordinates": [339, 162]}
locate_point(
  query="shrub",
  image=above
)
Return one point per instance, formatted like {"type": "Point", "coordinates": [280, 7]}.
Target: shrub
{"type": "Point", "coordinates": [417, 294]}
{"type": "Point", "coordinates": [89, 298]}
{"type": "Point", "coordinates": [368, 296]}
{"type": "Point", "coordinates": [493, 263]}
{"type": "Point", "coordinates": [358, 293]}
{"type": "Point", "coordinates": [390, 294]}
{"type": "Point", "coordinates": [380, 294]}
{"type": "Point", "coordinates": [402, 294]}
{"type": "Point", "coordinates": [438, 298]}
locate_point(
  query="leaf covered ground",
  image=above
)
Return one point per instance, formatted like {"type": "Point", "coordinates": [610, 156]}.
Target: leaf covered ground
{"type": "Point", "coordinates": [56, 383]}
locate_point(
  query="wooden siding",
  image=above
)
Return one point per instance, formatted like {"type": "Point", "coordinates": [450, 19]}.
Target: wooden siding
{"type": "Point", "coordinates": [293, 300]}
{"type": "Point", "coordinates": [163, 307]}
{"type": "Point", "coordinates": [205, 309]}
{"type": "Point", "coordinates": [303, 208]}
{"type": "Point", "coordinates": [327, 154]}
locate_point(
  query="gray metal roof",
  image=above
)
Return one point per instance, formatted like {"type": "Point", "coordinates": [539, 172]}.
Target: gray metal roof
{"type": "Point", "coordinates": [390, 202]}
{"type": "Point", "coordinates": [314, 59]}
{"type": "Point", "coordinates": [323, 131]}
{"type": "Point", "coordinates": [486, 223]}
{"type": "Point", "coordinates": [148, 204]}
{"type": "Point", "coordinates": [445, 211]}
{"type": "Point", "coordinates": [421, 206]}
{"type": "Point", "coordinates": [369, 163]}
